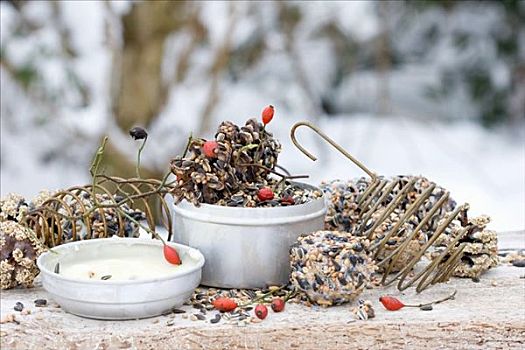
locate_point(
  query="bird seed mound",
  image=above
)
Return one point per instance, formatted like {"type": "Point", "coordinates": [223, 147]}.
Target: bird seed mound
{"type": "Point", "coordinates": [232, 169]}
{"type": "Point", "coordinates": [331, 267]}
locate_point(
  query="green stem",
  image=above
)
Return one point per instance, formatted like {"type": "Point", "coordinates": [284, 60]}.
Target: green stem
{"type": "Point", "coordinates": [190, 138]}
{"type": "Point", "coordinates": [147, 229]}
{"type": "Point", "coordinates": [244, 148]}
{"type": "Point", "coordinates": [262, 297]}
{"type": "Point", "coordinates": [451, 296]}
{"type": "Point", "coordinates": [290, 295]}
{"type": "Point", "coordinates": [138, 155]}
{"type": "Point", "coordinates": [95, 165]}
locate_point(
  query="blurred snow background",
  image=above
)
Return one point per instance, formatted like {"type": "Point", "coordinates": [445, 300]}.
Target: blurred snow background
{"type": "Point", "coordinates": [434, 88]}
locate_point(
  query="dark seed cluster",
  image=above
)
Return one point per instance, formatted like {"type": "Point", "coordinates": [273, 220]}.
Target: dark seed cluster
{"type": "Point", "coordinates": [374, 219]}
{"type": "Point", "coordinates": [481, 245]}
{"type": "Point", "coordinates": [242, 158]}
{"type": "Point", "coordinates": [13, 207]}
{"type": "Point", "coordinates": [330, 267]}
{"type": "Point", "coordinates": [104, 222]}
{"type": "Point", "coordinates": [344, 214]}
{"type": "Point", "coordinates": [285, 193]}
{"type": "Point", "coordinates": [19, 250]}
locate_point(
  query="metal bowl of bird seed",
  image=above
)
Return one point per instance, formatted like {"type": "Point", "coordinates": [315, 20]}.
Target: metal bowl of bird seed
{"type": "Point", "coordinates": [247, 247]}
{"type": "Point", "coordinates": [119, 278]}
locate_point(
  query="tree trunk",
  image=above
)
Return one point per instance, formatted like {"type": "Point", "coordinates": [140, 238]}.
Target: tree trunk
{"type": "Point", "coordinates": [138, 88]}
{"type": "Point", "coordinates": [139, 92]}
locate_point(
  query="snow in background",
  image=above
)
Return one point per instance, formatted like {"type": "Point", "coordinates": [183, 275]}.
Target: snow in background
{"type": "Point", "coordinates": [483, 167]}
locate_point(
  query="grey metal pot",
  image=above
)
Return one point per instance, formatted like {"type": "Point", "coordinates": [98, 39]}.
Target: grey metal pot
{"type": "Point", "coordinates": [245, 247]}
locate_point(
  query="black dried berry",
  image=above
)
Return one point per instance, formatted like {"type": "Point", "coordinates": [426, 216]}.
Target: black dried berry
{"type": "Point", "coordinates": [18, 306]}
{"type": "Point", "coordinates": [138, 133]}
{"type": "Point", "coordinates": [216, 319]}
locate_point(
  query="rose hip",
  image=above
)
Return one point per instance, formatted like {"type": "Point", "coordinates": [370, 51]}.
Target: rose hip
{"type": "Point", "coordinates": [209, 148]}
{"type": "Point", "coordinates": [278, 305]}
{"type": "Point", "coordinates": [391, 303]}
{"type": "Point", "coordinates": [224, 304]}
{"type": "Point", "coordinates": [287, 200]}
{"type": "Point", "coordinates": [267, 114]}
{"type": "Point", "coordinates": [265, 194]}
{"type": "Point", "coordinates": [171, 255]}
{"type": "Point", "coordinates": [261, 311]}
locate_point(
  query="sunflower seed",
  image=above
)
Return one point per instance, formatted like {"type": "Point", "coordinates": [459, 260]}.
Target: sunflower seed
{"type": "Point", "coordinates": [40, 302]}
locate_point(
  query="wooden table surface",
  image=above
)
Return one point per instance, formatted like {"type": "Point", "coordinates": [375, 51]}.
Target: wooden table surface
{"type": "Point", "coordinates": [489, 314]}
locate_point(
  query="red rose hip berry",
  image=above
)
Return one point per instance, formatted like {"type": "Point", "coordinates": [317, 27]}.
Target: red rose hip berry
{"type": "Point", "coordinates": [391, 303]}
{"type": "Point", "coordinates": [287, 200]}
{"type": "Point", "coordinates": [267, 114]}
{"type": "Point", "coordinates": [278, 305]}
{"type": "Point", "coordinates": [224, 304]}
{"type": "Point", "coordinates": [261, 311]}
{"type": "Point", "coordinates": [171, 255]}
{"type": "Point", "coordinates": [265, 194]}
{"type": "Point", "coordinates": [209, 148]}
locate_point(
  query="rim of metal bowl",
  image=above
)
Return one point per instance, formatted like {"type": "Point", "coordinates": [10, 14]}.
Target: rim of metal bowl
{"type": "Point", "coordinates": [285, 208]}
{"type": "Point", "coordinates": [197, 266]}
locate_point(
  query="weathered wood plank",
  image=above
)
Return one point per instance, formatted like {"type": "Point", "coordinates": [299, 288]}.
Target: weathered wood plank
{"type": "Point", "coordinates": [485, 315]}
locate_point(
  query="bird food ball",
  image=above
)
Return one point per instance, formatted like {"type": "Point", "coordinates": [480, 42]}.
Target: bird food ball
{"type": "Point", "coordinates": [331, 267]}
{"type": "Point", "coordinates": [18, 252]}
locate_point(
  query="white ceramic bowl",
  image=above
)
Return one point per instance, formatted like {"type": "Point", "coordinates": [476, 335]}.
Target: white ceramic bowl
{"type": "Point", "coordinates": [119, 299]}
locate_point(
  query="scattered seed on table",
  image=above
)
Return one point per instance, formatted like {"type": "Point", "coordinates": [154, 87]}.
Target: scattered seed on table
{"type": "Point", "coordinates": [40, 302]}
{"type": "Point", "coordinates": [178, 311]}
{"type": "Point", "coordinates": [475, 279]}
{"type": "Point", "coordinates": [519, 263]}
{"type": "Point", "coordinates": [106, 277]}
{"type": "Point", "coordinates": [57, 268]}
{"type": "Point", "coordinates": [216, 319]}
{"type": "Point", "coordinates": [18, 306]}
{"type": "Point", "coordinates": [426, 308]}
{"type": "Point", "coordinates": [170, 323]}
{"type": "Point", "coordinates": [200, 317]}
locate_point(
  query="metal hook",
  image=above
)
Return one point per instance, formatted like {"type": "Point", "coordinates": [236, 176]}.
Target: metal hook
{"type": "Point", "coordinates": [331, 142]}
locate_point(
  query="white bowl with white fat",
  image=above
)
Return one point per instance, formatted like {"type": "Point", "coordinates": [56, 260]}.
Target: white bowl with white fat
{"type": "Point", "coordinates": [119, 278]}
